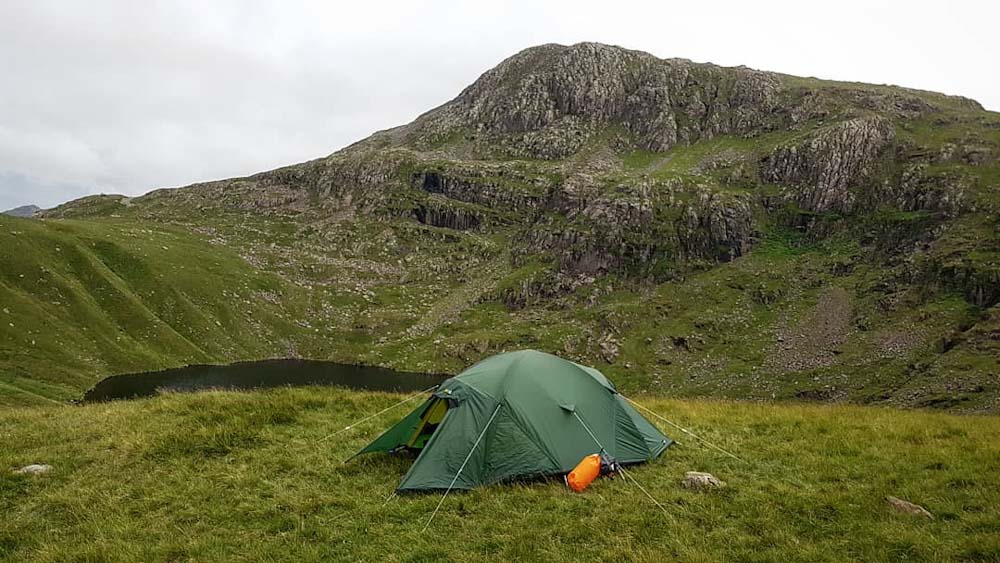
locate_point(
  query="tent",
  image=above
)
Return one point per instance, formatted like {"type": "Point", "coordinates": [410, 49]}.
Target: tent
{"type": "Point", "coordinates": [515, 415]}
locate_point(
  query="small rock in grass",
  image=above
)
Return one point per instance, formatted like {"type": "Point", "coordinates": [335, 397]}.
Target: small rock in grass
{"type": "Point", "coordinates": [907, 507]}
{"type": "Point", "coordinates": [33, 469]}
{"type": "Point", "coordinates": [700, 480]}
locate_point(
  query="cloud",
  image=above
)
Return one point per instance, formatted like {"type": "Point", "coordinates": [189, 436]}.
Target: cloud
{"type": "Point", "coordinates": [18, 188]}
{"type": "Point", "coordinates": [119, 96]}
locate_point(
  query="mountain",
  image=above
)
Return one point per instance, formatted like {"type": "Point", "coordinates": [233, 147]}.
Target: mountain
{"type": "Point", "coordinates": [23, 211]}
{"type": "Point", "coordinates": [688, 228]}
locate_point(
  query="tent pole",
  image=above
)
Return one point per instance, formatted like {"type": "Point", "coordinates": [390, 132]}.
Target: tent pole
{"type": "Point", "coordinates": [448, 490]}
{"type": "Point", "coordinates": [587, 428]}
{"type": "Point", "coordinates": [684, 430]}
{"type": "Point", "coordinates": [406, 400]}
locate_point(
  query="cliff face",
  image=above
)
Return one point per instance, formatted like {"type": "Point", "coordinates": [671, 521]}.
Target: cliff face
{"type": "Point", "coordinates": [824, 168]}
{"type": "Point", "coordinates": [580, 171]}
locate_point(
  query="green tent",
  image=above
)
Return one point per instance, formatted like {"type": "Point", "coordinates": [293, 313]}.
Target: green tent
{"type": "Point", "coordinates": [519, 414]}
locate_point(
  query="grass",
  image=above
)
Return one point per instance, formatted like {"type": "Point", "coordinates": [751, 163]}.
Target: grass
{"type": "Point", "coordinates": [83, 298]}
{"type": "Point", "coordinates": [685, 159]}
{"type": "Point", "coordinates": [226, 475]}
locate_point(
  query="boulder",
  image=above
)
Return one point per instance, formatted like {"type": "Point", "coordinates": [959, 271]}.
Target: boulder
{"type": "Point", "coordinates": [609, 348]}
{"type": "Point", "coordinates": [907, 507]}
{"type": "Point", "coordinates": [700, 480]}
{"type": "Point", "coordinates": [33, 469]}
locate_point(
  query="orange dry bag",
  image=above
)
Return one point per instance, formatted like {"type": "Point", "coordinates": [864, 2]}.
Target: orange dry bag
{"type": "Point", "coordinates": [586, 471]}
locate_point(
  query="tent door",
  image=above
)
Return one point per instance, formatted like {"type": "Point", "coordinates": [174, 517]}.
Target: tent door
{"type": "Point", "coordinates": [429, 422]}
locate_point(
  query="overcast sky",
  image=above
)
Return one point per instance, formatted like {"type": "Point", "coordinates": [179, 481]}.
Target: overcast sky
{"type": "Point", "coordinates": [124, 97]}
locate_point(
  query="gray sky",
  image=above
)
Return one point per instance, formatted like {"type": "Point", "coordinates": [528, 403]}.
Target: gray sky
{"type": "Point", "coordinates": [124, 97]}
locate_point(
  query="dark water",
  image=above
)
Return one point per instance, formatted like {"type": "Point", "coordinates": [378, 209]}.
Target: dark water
{"type": "Point", "coordinates": [258, 375]}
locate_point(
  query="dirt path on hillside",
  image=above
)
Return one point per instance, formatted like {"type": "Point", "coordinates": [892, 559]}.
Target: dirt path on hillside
{"type": "Point", "coordinates": [816, 340]}
{"type": "Point", "coordinates": [454, 302]}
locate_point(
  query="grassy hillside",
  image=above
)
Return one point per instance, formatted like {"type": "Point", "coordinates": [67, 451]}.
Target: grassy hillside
{"type": "Point", "coordinates": [84, 299]}
{"type": "Point", "coordinates": [231, 476]}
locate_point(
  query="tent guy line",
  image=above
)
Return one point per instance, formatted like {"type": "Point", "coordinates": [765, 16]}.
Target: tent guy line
{"type": "Point", "coordinates": [387, 409]}
{"type": "Point", "coordinates": [684, 430]}
{"type": "Point", "coordinates": [471, 451]}
{"type": "Point", "coordinates": [628, 477]}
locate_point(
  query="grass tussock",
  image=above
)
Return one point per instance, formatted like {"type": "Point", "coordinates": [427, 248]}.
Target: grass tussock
{"type": "Point", "coordinates": [248, 476]}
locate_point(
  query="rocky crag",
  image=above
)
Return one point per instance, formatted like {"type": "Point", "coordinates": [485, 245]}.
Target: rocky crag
{"type": "Point", "coordinates": [22, 211]}
{"type": "Point", "coordinates": [681, 224]}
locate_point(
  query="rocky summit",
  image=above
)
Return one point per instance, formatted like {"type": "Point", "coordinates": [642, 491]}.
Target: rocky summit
{"type": "Point", "coordinates": [22, 211]}
{"type": "Point", "coordinates": [688, 228]}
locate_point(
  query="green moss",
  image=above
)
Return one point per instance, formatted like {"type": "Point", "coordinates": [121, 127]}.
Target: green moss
{"type": "Point", "coordinates": [640, 159]}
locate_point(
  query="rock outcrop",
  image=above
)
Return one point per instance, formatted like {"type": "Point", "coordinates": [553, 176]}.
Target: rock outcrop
{"type": "Point", "coordinates": [23, 211]}
{"type": "Point", "coordinates": [439, 213]}
{"type": "Point", "coordinates": [917, 189]}
{"type": "Point", "coordinates": [717, 227]}
{"type": "Point", "coordinates": [491, 186]}
{"type": "Point", "coordinates": [547, 101]}
{"type": "Point", "coordinates": [827, 169]}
